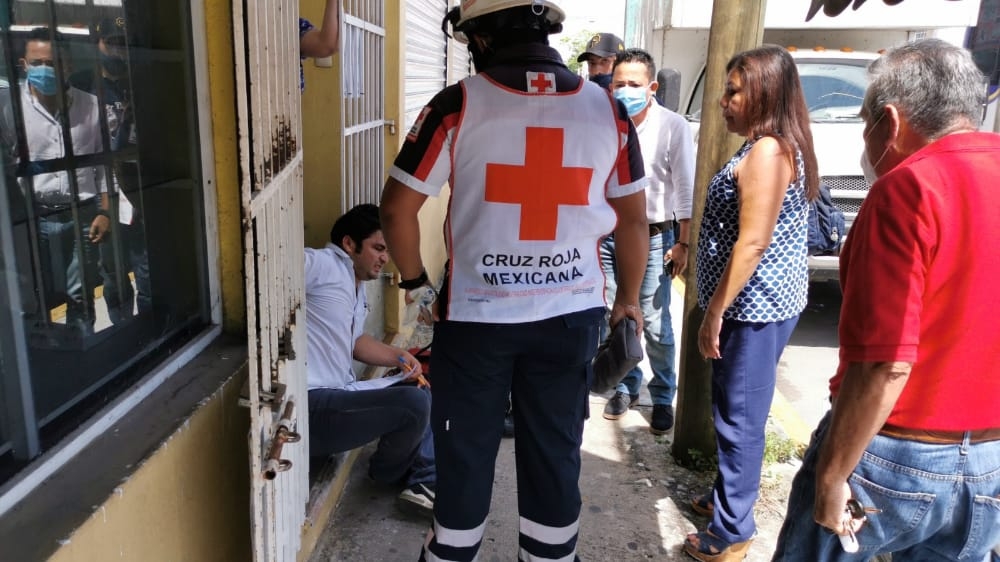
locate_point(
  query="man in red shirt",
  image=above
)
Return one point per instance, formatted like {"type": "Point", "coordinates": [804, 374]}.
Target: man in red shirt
{"type": "Point", "coordinates": [915, 426]}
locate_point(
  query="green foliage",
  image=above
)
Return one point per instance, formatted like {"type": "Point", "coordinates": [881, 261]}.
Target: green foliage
{"type": "Point", "coordinates": [700, 462]}
{"type": "Point", "coordinates": [779, 449]}
{"type": "Point", "coordinates": [577, 43]}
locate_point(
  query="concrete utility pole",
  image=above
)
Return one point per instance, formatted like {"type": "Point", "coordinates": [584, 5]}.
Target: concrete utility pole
{"type": "Point", "coordinates": [736, 26]}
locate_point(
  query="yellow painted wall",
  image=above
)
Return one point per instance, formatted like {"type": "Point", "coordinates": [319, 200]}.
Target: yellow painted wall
{"type": "Point", "coordinates": [434, 210]}
{"type": "Point", "coordinates": [222, 83]}
{"type": "Point", "coordinates": [321, 140]}
{"type": "Point", "coordinates": [191, 499]}
{"type": "Point", "coordinates": [189, 502]}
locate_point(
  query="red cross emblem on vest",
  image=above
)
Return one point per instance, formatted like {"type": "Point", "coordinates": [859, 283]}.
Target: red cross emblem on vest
{"type": "Point", "coordinates": [541, 185]}
{"type": "Point", "coordinates": [541, 82]}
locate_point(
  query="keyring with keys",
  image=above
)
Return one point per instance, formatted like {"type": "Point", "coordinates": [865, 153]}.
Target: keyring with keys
{"type": "Point", "coordinates": [854, 511]}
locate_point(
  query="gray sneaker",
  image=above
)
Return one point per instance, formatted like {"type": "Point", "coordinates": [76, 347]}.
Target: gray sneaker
{"type": "Point", "coordinates": [418, 499]}
{"type": "Point", "coordinates": [619, 404]}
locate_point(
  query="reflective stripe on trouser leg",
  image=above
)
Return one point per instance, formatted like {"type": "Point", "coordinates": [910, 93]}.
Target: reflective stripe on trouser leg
{"type": "Point", "coordinates": [550, 395]}
{"type": "Point", "coordinates": [472, 365]}
{"type": "Point", "coordinates": [551, 539]}
{"type": "Point", "coordinates": [453, 542]}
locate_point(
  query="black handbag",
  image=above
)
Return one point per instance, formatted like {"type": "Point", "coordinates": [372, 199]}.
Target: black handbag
{"type": "Point", "coordinates": [616, 356]}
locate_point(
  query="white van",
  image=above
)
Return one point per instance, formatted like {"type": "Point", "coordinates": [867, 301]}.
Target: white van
{"type": "Point", "coordinates": [834, 84]}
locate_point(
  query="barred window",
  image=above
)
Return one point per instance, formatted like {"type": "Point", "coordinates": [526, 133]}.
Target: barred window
{"type": "Point", "coordinates": [102, 225]}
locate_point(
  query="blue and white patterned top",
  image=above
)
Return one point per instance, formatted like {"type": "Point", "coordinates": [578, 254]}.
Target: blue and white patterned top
{"type": "Point", "coordinates": [304, 27]}
{"type": "Point", "coordinates": [777, 289]}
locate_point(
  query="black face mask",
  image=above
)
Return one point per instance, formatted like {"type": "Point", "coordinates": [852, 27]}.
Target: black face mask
{"type": "Point", "coordinates": [114, 66]}
{"type": "Point", "coordinates": [602, 80]}
{"type": "Point", "coordinates": [480, 59]}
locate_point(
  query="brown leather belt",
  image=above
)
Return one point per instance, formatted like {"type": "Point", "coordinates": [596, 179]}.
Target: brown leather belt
{"type": "Point", "coordinates": [940, 437]}
{"type": "Point", "coordinates": [659, 227]}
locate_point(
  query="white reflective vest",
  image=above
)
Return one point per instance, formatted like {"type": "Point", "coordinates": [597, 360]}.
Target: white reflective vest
{"type": "Point", "coordinates": [531, 175]}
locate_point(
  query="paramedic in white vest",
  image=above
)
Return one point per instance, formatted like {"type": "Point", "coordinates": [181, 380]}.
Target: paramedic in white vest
{"type": "Point", "coordinates": [542, 165]}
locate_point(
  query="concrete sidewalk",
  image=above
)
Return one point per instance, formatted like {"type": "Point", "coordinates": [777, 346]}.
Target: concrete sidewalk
{"type": "Point", "coordinates": [634, 503]}
{"type": "Point", "coordinates": [635, 498]}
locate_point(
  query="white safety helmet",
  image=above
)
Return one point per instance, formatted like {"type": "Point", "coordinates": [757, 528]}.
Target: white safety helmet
{"type": "Point", "coordinates": [472, 9]}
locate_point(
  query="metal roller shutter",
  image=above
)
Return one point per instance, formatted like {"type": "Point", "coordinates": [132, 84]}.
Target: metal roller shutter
{"type": "Point", "coordinates": [426, 55]}
{"type": "Point", "coordinates": [460, 63]}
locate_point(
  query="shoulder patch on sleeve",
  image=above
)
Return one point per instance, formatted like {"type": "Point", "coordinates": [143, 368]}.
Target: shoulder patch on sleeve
{"type": "Point", "coordinates": [418, 124]}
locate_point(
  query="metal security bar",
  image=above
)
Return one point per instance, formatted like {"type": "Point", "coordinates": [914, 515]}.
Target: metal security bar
{"type": "Point", "coordinates": [363, 102]}
{"type": "Point", "coordinates": [269, 106]}
{"type": "Point", "coordinates": [33, 276]}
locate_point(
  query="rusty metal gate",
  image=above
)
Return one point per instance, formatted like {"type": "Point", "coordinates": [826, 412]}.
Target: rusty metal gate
{"type": "Point", "coordinates": [270, 153]}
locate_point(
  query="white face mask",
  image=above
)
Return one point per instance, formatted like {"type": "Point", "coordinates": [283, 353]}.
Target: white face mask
{"type": "Point", "coordinates": [867, 168]}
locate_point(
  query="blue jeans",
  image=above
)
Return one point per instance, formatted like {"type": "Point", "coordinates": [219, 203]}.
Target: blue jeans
{"type": "Point", "coordinates": [63, 274]}
{"type": "Point", "coordinates": [938, 502]}
{"type": "Point", "coordinates": [742, 389]}
{"type": "Point", "coordinates": [654, 301]}
{"type": "Point", "coordinates": [398, 416]}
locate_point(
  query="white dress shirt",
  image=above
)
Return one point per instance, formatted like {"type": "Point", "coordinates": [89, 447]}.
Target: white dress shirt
{"type": "Point", "coordinates": [44, 134]}
{"type": "Point", "coordinates": [668, 151]}
{"type": "Point", "coordinates": [336, 307]}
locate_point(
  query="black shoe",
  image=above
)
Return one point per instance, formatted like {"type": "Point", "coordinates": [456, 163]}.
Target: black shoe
{"type": "Point", "coordinates": [619, 405]}
{"type": "Point", "coordinates": [418, 499]}
{"type": "Point", "coordinates": [662, 420]}
{"type": "Point", "coordinates": [508, 425]}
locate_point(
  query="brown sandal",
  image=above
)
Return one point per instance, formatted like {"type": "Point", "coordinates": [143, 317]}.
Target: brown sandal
{"type": "Point", "coordinates": [702, 505]}
{"type": "Point", "coordinates": [707, 547]}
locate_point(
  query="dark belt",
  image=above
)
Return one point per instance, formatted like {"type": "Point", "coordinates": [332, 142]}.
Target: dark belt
{"type": "Point", "coordinates": [660, 227]}
{"type": "Point", "coordinates": [940, 437]}
{"type": "Point", "coordinates": [50, 206]}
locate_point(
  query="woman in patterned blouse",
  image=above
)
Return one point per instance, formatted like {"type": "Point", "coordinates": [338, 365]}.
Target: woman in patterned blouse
{"type": "Point", "coordinates": [752, 280]}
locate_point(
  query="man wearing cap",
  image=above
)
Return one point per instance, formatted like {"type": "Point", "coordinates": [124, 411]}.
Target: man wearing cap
{"type": "Point", "coordinates": [110, 83]}
{"type": "Point", "coordinates": [600, 57]}
{"type": "Point", "coordinates": [525, 288]}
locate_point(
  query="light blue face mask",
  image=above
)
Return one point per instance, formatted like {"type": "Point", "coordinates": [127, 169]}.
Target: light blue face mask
{"type": "Point", "coordinates": [43, 79]}
{"type": "Point", "coordinates": [635, 99]}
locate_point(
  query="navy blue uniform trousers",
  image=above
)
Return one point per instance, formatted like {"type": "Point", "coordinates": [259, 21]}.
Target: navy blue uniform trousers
{"type": "Point", "coordinates": [545, 366]}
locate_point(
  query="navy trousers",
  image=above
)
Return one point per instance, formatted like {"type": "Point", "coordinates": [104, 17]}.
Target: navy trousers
{"type": "Point", "coordinates": [341, 420]}
{"type": "Point", "coordinates": [742, 389]}
{"type": "Point", "coordinates": [545, 368]}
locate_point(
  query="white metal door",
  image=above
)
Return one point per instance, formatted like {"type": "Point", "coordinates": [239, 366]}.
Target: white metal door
{"type": "Point", "coordinates": [363, 102]}
{"type": "Point", "coordinates": [270, 131]}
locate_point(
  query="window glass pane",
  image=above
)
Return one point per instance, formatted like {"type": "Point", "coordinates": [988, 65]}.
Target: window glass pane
{"type": "Point", "coordinates": [104, 201]}
{"type": "Point", "coordinates": [834, 90]}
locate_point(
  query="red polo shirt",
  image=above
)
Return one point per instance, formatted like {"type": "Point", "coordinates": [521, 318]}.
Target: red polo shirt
{"type": "Point", "coordinates": [921, 280]}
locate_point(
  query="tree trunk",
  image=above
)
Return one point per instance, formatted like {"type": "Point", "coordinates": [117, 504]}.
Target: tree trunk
{"type": "Point", "coordinates": [736, 26]}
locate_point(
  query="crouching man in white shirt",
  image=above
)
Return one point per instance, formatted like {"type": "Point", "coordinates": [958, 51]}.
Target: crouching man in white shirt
{"type": "Point", "coordinates": [344, 412]}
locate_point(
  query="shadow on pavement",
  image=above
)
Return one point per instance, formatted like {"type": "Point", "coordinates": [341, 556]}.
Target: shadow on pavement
{"type": "Point", "coordinates": [634, 503]}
